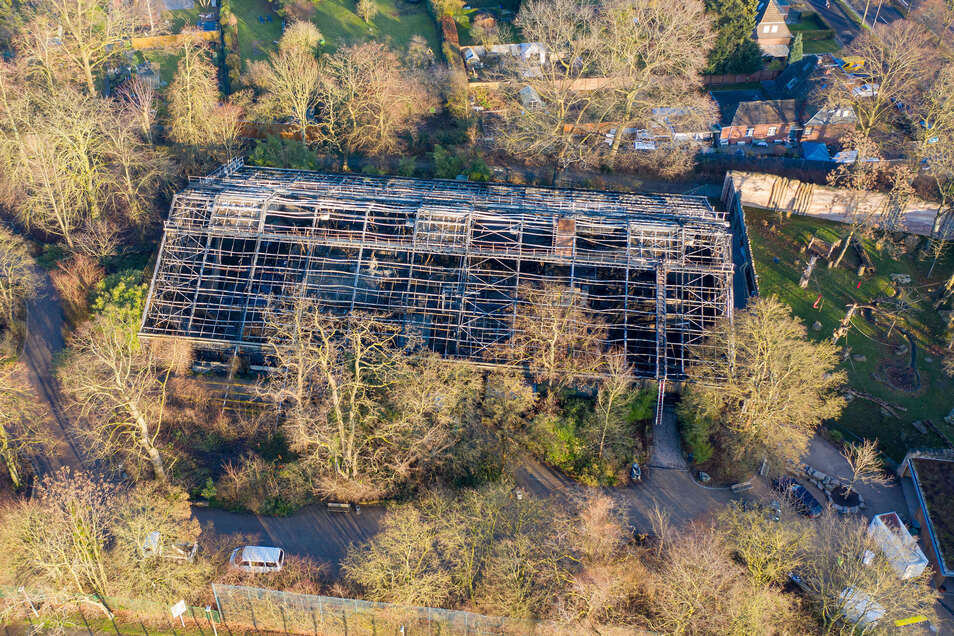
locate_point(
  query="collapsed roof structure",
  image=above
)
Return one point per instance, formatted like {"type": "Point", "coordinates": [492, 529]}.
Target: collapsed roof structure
{"type": "Point", "coordinates": [445, 260]}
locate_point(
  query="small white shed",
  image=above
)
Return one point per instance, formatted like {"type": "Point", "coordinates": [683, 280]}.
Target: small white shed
{"type": "Point", "coordinates": [898, 546]}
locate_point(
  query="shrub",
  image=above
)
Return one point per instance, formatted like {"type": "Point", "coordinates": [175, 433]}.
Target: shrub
{"type": "Point", "coordinates": [696, 432]}
{"type": "Point", "coordinates": [263, 487]}
{"type": "Point", "coordinates": [279, 152]}
{"type": "Point", "coordinates": [407, 166]}
{"type": "Point", "coordinates": [446, 164]}
{"type": "Point", "coordinates": [478, 170]}
{"type": "Point", "coordinates": [74, 279]}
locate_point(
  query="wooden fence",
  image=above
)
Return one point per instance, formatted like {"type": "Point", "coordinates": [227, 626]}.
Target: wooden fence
{"type": "Point", "coordinates": [739, 78]}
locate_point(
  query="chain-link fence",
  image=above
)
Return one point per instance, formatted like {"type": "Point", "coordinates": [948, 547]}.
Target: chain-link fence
{"type": "Point", "coordinates": [258, 609]}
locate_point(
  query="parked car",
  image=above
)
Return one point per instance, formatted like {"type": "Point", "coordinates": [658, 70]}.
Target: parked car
{"type": "Point", "coordinates": [257, 559]}
{"type": "Point", "coordinates": [801, 499]}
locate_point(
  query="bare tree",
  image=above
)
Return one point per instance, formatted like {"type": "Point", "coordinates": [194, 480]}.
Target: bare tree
{"type": "Point", "coordinates": [769, 549]}
{"type": "Point", "coordinates": [193, 96]}
{"type": "Point", "coordinates": [364, 415]}
{"type": "Point", "coordinates": [366, 100]}
{"type": "Point", "coordinates": [614, 387]}
{"type": "Point", "coordinates": [289, 79]}
{"type": "Point", "coordinates": [695, 587]}
{"type": "Point", "coordinates": [507, 399]}
{"type": "Point", "coordinates": [658, 53]}
{"type": "Point", "coordinates": [139, 98]}
{"type": "Point", "coordinates": [366, 10]}
{"type": "Point", "coordinates": [19, 419]}
{"type": "Point", "coordinates": [89, 34]}
{"type": "Point", "coordinates": [763, 385]}
{"type": "Point", "coordinates": [17, 276]}
{"type": "Point", "coordinates": [70, 159]}
{"type": "Point", "coordinates": [864, 462]}
{"type": "Point", "coordinates": [896, 61]}
{"type": "Point", "coordinates": [81, 535]}
{"type": "Point", "coordinates": [605, 66]}
{"type": "Point", "coordinates": [556, 336]}
{"type": "Point", "coordinates": [401, 564]}
{"type": "Point", "coordinates": [847, 578]}
{"type": "Point", "coordinates": [856, 181]}
{"type": "Point", "coordinates": [550, 119]}
{"type": "Point", "coordinates": [118, 388]}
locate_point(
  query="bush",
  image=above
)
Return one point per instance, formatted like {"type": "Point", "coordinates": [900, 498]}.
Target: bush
{"type": "Point", "coordinates": [74, 280]}
{"type": "Point", "coordinates": [478, 170]}
{"type": "Point", "coordinates": [696, 432]}
{"type": "Point", "coordinates": [279, 152]}
{"type": "Point", "coordinates": [446, 164]}
{"type": "Point", "coordinates": [262, 487]}
{"type": "Point", "coordinates": [407, 166]}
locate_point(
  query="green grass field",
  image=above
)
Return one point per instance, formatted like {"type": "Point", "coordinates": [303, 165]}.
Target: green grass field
{"type": "Point", "coordinates": [808, 22]}
{"type": "Point", "coordinates": [817, 47]}
{"type": "Point", "coordinates": [255, 38]}
{"type": "Point", "coordinates": [395, 24]}
{"type": "Point", "coordinates": [776, 247]}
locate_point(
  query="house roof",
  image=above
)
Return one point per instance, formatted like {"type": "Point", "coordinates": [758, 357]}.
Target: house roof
{"type": "Point", "coordinates": [933, 478]}
{"type": "Point", "coordinates": [817, 114]}
{"type": "Point", "coordinates": [770, 111]}
{"type": "Point", "coordinates": [770, 14]}
{"type": "Point", "coordinates": [792, 81]}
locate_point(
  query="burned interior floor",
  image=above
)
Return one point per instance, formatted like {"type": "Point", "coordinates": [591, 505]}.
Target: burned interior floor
{"type": "Point", "coordinates": [443, 259]}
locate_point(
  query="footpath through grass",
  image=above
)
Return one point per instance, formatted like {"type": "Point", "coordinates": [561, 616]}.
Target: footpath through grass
{"type": "Point", "coordinates": [878, 351]}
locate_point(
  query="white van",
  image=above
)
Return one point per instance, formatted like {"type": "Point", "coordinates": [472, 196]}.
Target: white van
{"type": "Point", "coordinates": [257, 559]}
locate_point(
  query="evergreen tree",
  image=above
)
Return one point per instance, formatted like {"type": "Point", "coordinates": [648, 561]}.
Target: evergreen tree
{"type": "Point", "coordinates": [796, 51]}
{"type": "Point", "coordinates": [734, 50]}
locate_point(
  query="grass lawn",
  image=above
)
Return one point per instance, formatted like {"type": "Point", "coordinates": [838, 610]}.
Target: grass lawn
{"type": "Point", "coordinates": [776, 247]}
{"type": "Point", "coordinates": [181, 18]}
{"type": "Point", "coordinates": [395, 24]}
{"type": "Point", "coordinates": [256, 39]}
{"type": "Point", "coordinates": [808, 22]}
{"type": "Point", "coordinates": [168, 61]}
{"type": "Point", "coordinates": [816, 47]}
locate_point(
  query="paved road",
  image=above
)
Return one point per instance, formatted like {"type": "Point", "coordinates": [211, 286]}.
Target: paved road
{"type": "Point", "coordinates": [43, 342]}
{"type": "Point", "coordinates": [845, 27]}
{"type": "Point", "coordinates": [823, 456]}
{"type": "Point", "coordinates": [312, 531]}
{"type": "Point", "coordinates": [666, 484]}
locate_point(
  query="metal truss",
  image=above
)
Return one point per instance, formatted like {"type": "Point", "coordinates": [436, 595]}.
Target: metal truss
{"type": "Point", "coordinates": [443, 259]}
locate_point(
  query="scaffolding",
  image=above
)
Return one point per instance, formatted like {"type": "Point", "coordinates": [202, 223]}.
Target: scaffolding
{"type": "Point", "coordinates": [444, 260]}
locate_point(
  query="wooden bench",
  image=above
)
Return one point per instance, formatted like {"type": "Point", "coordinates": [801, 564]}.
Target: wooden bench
{"type": "Point", "coordinates": [742, 487]}
{"type": "Point", "coordinates": [338, 507]}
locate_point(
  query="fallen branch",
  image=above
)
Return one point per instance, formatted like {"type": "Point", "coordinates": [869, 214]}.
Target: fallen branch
{"type": "Point", "coordinates": [888, 406]}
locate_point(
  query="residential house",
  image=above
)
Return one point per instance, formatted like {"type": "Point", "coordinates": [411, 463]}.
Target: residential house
{"type": "Point", "coordinates": [826, 124]}
{"type": "Point", "coordinates": [764, 121]}
{"type": "Point", "coordinates": [806, 81]}
{"type": "Point", "coordinates": [771, 33]}
{"type": "Point", "coordinates": [683, 125]}
{"type": "Point", "coordinates": [927, 477]}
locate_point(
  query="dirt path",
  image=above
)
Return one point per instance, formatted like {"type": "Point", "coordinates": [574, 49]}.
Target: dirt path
{"type": "Point", "coordinates": [43, 342]}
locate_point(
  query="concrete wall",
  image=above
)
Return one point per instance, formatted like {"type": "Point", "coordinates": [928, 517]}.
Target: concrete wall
{"type": "Point", "coordinates": [833, 204]}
